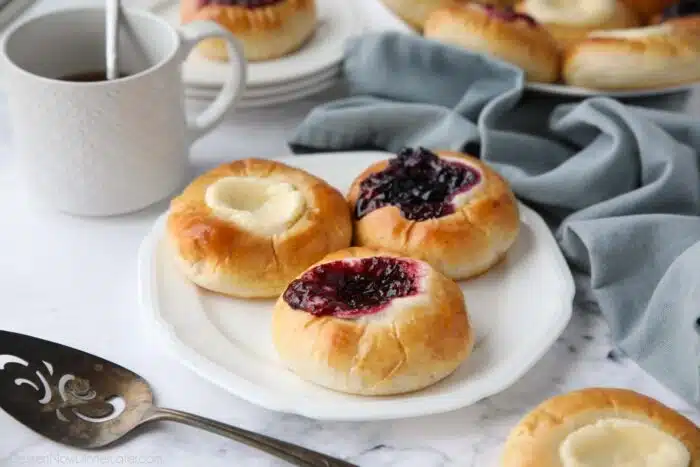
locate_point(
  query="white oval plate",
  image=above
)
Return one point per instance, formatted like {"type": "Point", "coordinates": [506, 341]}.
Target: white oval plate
{"type": "Point", "coordinates": [254, 102]}
{"type": "Point", "coordinates": [227, 341]}
{"type": "Point", "coordinates": [573, 91]}
{"type": "Point", "coordinates": [337, 23]}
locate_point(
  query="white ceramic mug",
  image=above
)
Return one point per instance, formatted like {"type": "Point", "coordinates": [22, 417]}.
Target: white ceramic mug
{"type": "Point", "coordinates": [107, 147]}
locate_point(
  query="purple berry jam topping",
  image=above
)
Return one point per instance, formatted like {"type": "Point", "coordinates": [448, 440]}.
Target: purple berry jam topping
{"type": "Point", "coordinates": [508, 14]}
{"type": "Point", "coordinates": [242, 3]}
{"type": "Point", "coordinates": [419, 183]}
{"type": "Point", "coordinates": [353, 288]}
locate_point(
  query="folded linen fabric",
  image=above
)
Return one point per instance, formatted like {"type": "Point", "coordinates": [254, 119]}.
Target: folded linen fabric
{"type": "Point", "coordinates": [619, 184]}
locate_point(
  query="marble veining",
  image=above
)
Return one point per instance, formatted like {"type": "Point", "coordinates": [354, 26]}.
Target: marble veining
{"type": "Point", "coordinates": [471, 437]}
{"type": "Point", "coordinates": [103, 315]}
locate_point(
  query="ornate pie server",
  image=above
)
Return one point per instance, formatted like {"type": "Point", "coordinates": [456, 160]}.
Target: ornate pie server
{"type": "Point", "coordinates": [81, 400]}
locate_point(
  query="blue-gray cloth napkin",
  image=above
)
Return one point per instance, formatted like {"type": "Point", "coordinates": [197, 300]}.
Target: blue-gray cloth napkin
{"type": "Point", "coordinates": [619, 184]}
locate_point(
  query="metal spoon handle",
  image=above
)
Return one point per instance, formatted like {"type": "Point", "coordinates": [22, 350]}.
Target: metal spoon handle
{"type": "Point", "coordinates": [112, 39]}
{"type": "Point", "coordinates": [295, 455]}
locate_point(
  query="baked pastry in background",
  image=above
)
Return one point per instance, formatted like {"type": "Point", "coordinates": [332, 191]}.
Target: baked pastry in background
{"type": "Point", "coordinates": [267, 29]}
{"type": "Point", "coordinates": [247, 228]}
{"type": "Point", "coordinates": [370, 323]}
{"type": "Point", "coordinates": [500, 32]}
{"type": "Point", "coordinates": [495, 3]}
{"type": "Point", "coordinates": [687, 24]}
{"type": "Point", "coordinates": [650, 57]}
{"type": "Point", "coordinates": [602, 427]}
{"type": "Point", "coordinates": [445, 208]}
{"type": "Point", "coordinates": [678, 9]}
{"type": "Point", "coordinates": [570, 21]}
{"type": "Point", "coordinates": [647, 9]}
{"type": "Point", "coordinates": [415, 12]}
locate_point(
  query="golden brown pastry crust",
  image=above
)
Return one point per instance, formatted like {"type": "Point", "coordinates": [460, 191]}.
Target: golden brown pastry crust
{"type": "Point", "coordinates": [646, 9]}
{"type": "Point", "coordinates": [415, 12]}
{"type": "Point", "coordinates": [641, 63]}
{"type": "Point", "coordinates": [497, 3]}
{"type": "Point", "coordinates": [460, 245]}
{"type": "Point", "coordinates": [530, 47]}
{"type": "Point", "coordinates": [266, 32]}
{"type": "Point", "coordinates": [687, 24]}
{"type": "Point", "coordinates": [534, 441]}
{"type": "Point", "coordinates": [690, 23]}
{"type": "Point", "coordinates": [222, 257]}
{"type": "Point", "coordinates": [413, 346]}
{"type": "Point", "coordinates": [568, 35]}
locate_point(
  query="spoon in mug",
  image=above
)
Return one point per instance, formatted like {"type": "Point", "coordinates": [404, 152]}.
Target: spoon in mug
{"type": "Point", "coordinates": [78, 399]}
{"type": "Point", "coordinates": [112, 13]}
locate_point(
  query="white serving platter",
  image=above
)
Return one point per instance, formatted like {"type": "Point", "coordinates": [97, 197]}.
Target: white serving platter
{"type": "Point", "coordinates": [573, 91]}
{"type": "Point", "coordinates": [338, 22]}
{"type": "Point", "coordinates": [518, 309]}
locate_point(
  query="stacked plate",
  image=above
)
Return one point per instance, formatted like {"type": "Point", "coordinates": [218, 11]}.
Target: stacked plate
{"type": "Point", "coordinates": [314, 68]}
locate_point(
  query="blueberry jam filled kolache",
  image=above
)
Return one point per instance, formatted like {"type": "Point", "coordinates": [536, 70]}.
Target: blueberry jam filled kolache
{"type": "Point", "coordinates": [512, 36]}
{"type": "Point", "coordinates": [509, 14]}
{"type": "Point", "coordinates": [268, 29]}
{"type": "Point", "coordinates": [419, 183]}
{"type": "Point", "coordinates": [372, 323]}
{"type": "Point", "coordinates": [445, 208]}
{"type": "Point", "coordinates": [347, 289]}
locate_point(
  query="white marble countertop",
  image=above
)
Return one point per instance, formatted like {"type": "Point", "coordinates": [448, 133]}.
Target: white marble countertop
{"type": "Point", "coordinates": [73, 280]}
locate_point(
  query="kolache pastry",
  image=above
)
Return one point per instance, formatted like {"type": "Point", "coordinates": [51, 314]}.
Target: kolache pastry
{"type": "Point", "coordinates": [647, 9]}
{"type": "Point", "coordinates": [446, 208]}
{"type": "Point", "coordinates": [689, 24]}
{"type": "Point", "coordinates": [247, 228]}
{"type": "Point", "coordinates": [603, 427]}
{"type": "Point", "coordinates": [655, 56]}
{"type": "Point", "coordinates": [677, 10]}
{"type": "Point", "coordinates": [415, 12]}
{"type": "Point", "coordinates": [500, 32]}
{"type": "Point", "coordinates": [496, 3]}
{"type": "Point", "coordinates": [267, 29]}
{"type": "Point", "coordinates": [370, 323]}
{"type": "Point", "coordinates": [570, 21]}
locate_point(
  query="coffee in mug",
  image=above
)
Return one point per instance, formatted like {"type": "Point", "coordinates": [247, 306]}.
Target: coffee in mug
{"type": "Point", "coordinates": [89, 76]}
{"type": "Point", "coordinates": [89, 146]}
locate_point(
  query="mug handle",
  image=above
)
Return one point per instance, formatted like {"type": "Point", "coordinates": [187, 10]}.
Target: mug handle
{"type": "Point", "coordinates": [232, 91]}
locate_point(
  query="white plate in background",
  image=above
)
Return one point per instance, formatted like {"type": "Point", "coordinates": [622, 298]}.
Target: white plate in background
{"type": "Point", "coordinates": [338, 22]}
{"type": "Point", "coordinates": [267, 100]}
{"type": "Point", "coordinates": [572, 91]}
{"type": "Point", "coordinates": [227, 341]}
{"type": "Point", "coordinates": [297, 85]}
